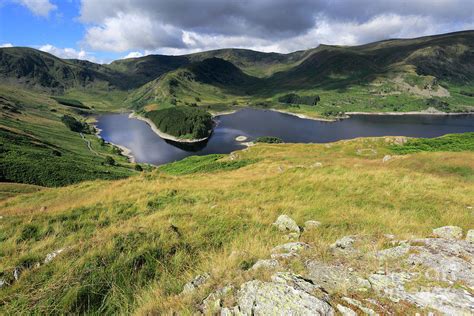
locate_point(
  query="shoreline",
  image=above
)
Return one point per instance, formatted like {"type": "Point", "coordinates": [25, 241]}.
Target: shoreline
{"type": "Point", "coordinates": [127, 152]}
{"type": "Point", "coordinates": [164, 135]}
{"type": "Point", "coordinates": [124, 151]}
{"type": "Point", "coordinates": [303, 116]}
{"type": "Point", "coordinates": [410, 113]}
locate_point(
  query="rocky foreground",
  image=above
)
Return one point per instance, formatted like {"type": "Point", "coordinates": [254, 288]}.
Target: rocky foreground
{"type": "Point", "coordinates": [433, 275]}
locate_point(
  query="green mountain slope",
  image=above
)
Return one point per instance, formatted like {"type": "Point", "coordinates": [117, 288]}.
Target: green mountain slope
{"type": "Point", "coordinates": [388, 76]}
{"type": "Point", "coordinates": [210, 81]}
{"type": "Point", "coordinates": [33, 68]}
{"type": "Point", "coordinates": [392, 75]}
{"type": "Point", "coordinates": [37, 147]}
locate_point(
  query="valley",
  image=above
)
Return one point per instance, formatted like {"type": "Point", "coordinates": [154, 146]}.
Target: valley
{"type": "Point", "coordinates": [337, 179]}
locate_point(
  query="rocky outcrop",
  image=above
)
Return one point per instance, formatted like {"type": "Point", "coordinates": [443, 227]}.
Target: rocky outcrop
{"type": "Point", "coordinates": [345, 311]}
{"type": "Point", "coordinates": [334, 278]}
{"type": "Point", "coordinates": [449, 260]}
{"type": "Point", "coordinates": [286, 294]}
{"type": "Point", "coordinates": [424, 274]}
{"type": "Point", "coordinates": [393, 253]}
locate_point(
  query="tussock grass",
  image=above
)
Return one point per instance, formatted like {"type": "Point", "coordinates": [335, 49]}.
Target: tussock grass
{"type": "Point", "coordinates": [130, 245]}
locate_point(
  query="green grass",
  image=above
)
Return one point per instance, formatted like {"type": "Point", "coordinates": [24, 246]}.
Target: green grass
{"type": "Point", "coordinates": [203, 164]}
{"type": "Point", "coordinates": [37, 148]}
{"type": "Point", "coordinates": [451, 142]}
{"type": "Point", "coordinates": [8, 190]}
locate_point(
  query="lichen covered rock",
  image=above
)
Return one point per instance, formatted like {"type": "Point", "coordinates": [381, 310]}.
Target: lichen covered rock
{"type": "Point", "coordinates": [285, 223]}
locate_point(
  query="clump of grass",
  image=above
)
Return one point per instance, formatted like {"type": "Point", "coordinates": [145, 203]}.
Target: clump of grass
{"type": "Point", "coordinates": [451, 142]}
{"type": "Point", "coordinates": [29, 232]}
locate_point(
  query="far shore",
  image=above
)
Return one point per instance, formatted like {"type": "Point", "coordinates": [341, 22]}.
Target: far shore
{"type": "Point", "coordinates": [303, 116]}
{"type": "Point", "coordinates": [409, 113]}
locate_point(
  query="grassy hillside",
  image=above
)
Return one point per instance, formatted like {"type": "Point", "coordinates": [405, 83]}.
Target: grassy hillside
{"type": "Point", "coordinates": [388, 76]}
{"type": "Point", "coordinates": [208, 82]}
{"type": "Point", "coordinates": [38, 148]}
{"type": "Point", "coordinates": [130, 245]}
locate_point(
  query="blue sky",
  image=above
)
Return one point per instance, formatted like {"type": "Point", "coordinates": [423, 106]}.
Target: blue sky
{"type": "Point", "coordinates": [61, 28]}
{"type": "Point", "coordinates": [104, 30]}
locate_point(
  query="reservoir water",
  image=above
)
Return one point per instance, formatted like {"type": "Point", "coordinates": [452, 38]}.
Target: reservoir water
{"type": "Point", "coordinates": [148, 147]}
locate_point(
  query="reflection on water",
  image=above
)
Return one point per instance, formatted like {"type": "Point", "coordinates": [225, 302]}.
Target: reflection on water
{"type": "Point", "coordinates": [148, 147]}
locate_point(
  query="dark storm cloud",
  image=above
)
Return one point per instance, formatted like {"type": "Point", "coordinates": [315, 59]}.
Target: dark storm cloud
{"type": "Point", "coordinates": [199, 24]}
{"type": "Point", "coordinates": [276, 18]}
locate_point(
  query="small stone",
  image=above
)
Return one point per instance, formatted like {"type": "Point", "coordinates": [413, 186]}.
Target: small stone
{"type": "Point", "coordinates": [290, 247]}
{"type": "Point", "coordinates": [344, 243]}
{"type": "Point", "coordinates": [16, 274]}
{"type": "Point", "coordinates": [2, 283]}
{"type": "Point", "coordinates": [386, 158]}
{"type": "Point", "coordinates": [43, 208]}
{"type": "Point", "coordinates": [448, 232]}
{"type": "Point", "coordinates": [196, 283]}
{"type": "Point", "coordinates": [310, 225]}
{"type": "Point", "coordinates": [52, 255]}
{"type": "Point", "coordinates": [345, 311]}
{"type": "Point", "coordinates": [266, 264]}
{"type": "Point", "coordinates": [287, 224]}
{"type": "Point", "coordinates": [317, 165]}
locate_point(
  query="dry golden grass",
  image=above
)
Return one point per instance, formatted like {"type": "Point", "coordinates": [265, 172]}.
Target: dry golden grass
{"type": "Point", "coordinates": [224, 218]}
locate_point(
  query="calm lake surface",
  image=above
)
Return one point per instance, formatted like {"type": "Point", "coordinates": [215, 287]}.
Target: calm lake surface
{"type": "Point", "coordinates": [148, 147]}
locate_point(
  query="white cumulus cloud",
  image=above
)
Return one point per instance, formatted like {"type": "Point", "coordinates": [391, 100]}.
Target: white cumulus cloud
{"type": "Point", "coordinates": [38, 7]}
{"type": "Point", "coordinates": [68, 53]}
{"type": "Point", "coordinates": [133, 55]}
{"type": "Point", "coordinates": [6, 45]}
